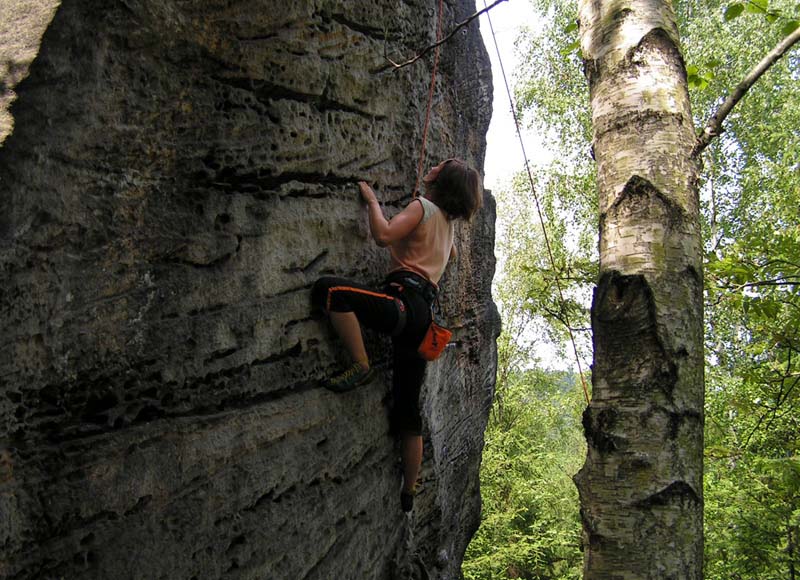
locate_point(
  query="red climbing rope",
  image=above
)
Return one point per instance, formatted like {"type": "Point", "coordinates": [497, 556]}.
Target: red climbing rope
{"type": "Point", "coordinates": [430, 102]}
{"type": "Point", "coordinates": [539, 210]}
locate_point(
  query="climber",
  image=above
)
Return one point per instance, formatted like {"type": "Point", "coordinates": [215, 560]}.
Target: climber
{"type": "Point", "coordinates": [420, 242]}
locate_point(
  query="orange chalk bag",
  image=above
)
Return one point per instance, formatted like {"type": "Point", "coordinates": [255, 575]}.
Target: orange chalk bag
{"type": "Point", "coordinates": [435, 341]}
{"type": "Point", "coordinates": [436, 338]}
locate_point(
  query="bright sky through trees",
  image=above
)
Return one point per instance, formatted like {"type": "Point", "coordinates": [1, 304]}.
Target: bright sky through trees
{"type": "Point", "coordinates": [503, 155]}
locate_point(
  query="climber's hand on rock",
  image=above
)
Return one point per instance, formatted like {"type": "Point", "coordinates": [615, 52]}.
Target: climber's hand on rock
{"type": "Point", "coordinates": [366, 192]}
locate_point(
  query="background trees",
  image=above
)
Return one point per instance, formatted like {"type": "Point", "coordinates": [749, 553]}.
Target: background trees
{"type": "Point", "coordinates": [750, 193]}
{"type": "Point", "coordinates": [534, 442]}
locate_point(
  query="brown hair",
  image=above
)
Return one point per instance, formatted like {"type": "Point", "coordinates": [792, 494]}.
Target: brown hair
{"type": "Point", "coordinates": [456, 188]}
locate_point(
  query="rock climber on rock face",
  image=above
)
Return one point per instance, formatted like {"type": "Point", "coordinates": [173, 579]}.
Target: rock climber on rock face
{"type": "Point", "coordinates": [420, 241]}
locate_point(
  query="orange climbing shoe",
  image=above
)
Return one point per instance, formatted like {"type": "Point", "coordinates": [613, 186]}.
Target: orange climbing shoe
{"type": "Point", "coordinates": [349, 379]}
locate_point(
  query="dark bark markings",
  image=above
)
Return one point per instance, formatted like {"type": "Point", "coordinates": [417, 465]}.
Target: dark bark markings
{"type": "Point", "coordinates": [635, 199]}
{"type": "Point", "coordinates": [633, 363]}
{"type": "Point", "coordinates": [595, 69]}
{"type": "Point", "coordinates": [626, 343]}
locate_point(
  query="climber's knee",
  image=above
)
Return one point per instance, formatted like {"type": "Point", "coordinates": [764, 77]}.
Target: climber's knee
{"type": "Point", "coordinates": [321, 290]}
{"type": "Point", "coordinates": [333, 294]}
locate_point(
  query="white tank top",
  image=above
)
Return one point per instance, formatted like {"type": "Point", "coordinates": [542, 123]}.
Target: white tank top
{"type": "Point", "coordinates": [426, 249]}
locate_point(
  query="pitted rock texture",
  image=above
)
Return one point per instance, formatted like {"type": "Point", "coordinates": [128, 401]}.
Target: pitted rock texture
{"type": "Point", "coordinates": [174, 175]}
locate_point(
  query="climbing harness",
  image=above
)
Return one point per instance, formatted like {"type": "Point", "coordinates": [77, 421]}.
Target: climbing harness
{"type": "Point", "coordinates": [538, 209]}
{"type": "Point", "coordinates": [436, 336]}
{"type": "Point", "coordinates": [430, 101]}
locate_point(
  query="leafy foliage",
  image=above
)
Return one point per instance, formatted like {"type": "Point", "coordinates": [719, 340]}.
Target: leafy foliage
{"type": "Point", "coordinates": [750, 195]}
{"type": "Point", "coordinates": [530, 526]}
{"type": "Point", "coordinates": [529, 292]}
{"type": "Point", "coordinates": [557, 103]}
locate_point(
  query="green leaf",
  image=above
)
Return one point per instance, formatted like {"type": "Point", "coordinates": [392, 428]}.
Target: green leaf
{"type": "Point", "coordinates": [697, 82]}
{"type": "Point", "coordinates": [790, 27]}
{"type": "Point", "coordinates": [691, 70]}
{"type": "Point", "coordinates": [570, 48]}
{"type": "Point", "coordinates": [756, 6]}
{"type": "Point", "coordinates": [733, 11]}
{"type": "Point", "coordinates": [714, 451]}
{"type": "Point", "coordinates": [573, 26]}
{"type": "Point", "coordinates": [713, 63]}
{"type": "Point", "coordinates": [769, 309]}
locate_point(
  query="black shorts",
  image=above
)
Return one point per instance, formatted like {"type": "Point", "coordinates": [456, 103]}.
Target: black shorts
{"type": "Point", "coordinates": [401, 308]}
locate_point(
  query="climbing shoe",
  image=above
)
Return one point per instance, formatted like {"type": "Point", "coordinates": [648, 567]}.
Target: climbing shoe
{"type": "Point", "coordinates": [349, 379]}
{"type": "Point", "coordinates": [407, 500]}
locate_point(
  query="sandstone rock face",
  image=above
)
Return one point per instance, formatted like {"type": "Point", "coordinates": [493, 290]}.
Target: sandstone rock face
{"type": "Point", "coordinates": [174, 175]}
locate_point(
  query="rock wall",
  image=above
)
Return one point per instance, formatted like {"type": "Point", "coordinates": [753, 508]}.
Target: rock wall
{"type": "Point", "coordinates": [174, 175]}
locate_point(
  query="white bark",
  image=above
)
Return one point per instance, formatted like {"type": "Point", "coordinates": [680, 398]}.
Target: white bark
{"type": "Point", "coordinates": [641, 485]}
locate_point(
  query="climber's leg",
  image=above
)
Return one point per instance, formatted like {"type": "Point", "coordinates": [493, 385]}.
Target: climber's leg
{"type": "Point", "coordinates": [412, 459]}
{"type": "Point", "coordinates": [349, 330]}
{"type": "Point", "coordinates": [411, 455]}
{"type": "Point", "coordinates": [407, 376]}
{"type": "Point", "coordinates": [350, 305]}
{"type": "Point", "coordinates": [373, 308]}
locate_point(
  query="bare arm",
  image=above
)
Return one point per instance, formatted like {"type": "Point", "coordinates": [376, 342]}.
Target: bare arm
{"type": "Point", "coordinates": [387, 231]}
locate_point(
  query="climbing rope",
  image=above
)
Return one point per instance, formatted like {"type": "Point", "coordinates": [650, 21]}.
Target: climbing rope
{"type": "Point", "coordinates": [430, 101]}
{"type": "Point", "coordinates": [538, 209]}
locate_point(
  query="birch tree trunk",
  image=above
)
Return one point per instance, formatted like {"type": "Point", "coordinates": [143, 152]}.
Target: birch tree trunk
{"type": "Point", "coordinates": [641, 484]}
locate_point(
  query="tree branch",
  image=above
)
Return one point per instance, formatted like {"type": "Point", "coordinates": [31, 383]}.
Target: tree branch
{"type": "Point", "coordinates": [786, 281]}
{"type": "Point", "coordinates": [714, 126]}
{"type": "Point", "coordinates": [427, 49]}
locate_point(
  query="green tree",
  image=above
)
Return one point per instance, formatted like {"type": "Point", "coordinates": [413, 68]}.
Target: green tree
{"type": "Point", "coordinates": [751, 192]}
{"type": "Point", "coordinates": [530, 526]}
{"type": "Point", "coordinates": [748, 190]}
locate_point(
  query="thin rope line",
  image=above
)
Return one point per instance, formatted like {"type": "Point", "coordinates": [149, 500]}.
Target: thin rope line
{"type": "Point", "coordinates": [538, 209]}
{"type": "Point", "coordinates": [430, 102]}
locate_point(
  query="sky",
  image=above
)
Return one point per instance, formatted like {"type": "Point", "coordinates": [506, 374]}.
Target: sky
{"type": "Point", "coordinates": [503, 153]}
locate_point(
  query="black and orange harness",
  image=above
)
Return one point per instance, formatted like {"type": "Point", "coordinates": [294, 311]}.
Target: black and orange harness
{"type": "Point", "coordinates": [386, 310]}
{"type": "Point", "coordinates": [437, 336]}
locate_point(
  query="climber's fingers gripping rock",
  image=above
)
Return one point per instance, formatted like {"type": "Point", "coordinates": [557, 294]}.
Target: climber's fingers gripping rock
{"type": "Point", "coordinates": [367, 194]}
